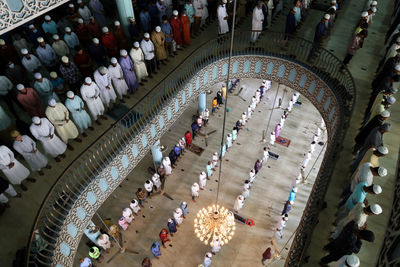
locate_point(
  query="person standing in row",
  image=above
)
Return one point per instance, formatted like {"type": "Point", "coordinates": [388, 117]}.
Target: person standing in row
{"type": "Point", "coordinates": [81, 118]}
{"type": "Point", "coordinates": [127, 67]}
{"type": "Point", "coordinates": [139, 64]}
{"type": "Point", "coordinates": [103, 81]}
{"type": "Point", "coordinates": [147, 47]}
{"type": "Point", "coordinates": [117, 76]}
{"type": "Point", "coordinates": [30, 100]}
{"type": "Point", "coordinates": [90, 93]}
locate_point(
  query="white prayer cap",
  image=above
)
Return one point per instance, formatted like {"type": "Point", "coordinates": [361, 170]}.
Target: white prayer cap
{"type": "Point", "coordinates": [208, 255]}
{"type": "Point", "coordinates": [88, 80]}
{"type": "Point", "coordinates": [385, 113]}
{"type": "Point", "coordinates": [47, 17]}
{"type": "Point", "coordinates": [113, 60]}
{"type": "Point", "coordinates": [377, 189]}
{"type": "Point", "coordinates": [80, 21]}
{"type": "Point", "coordinates": [327, 16]}
{"type": "Point", "coordinates": [382, 171]}
{"type": "Point", "coordinates": [352, 261]}
{"type": "Point", "coordinates": [40, 39]}
{"type": "Point", "coordinates": [56, 37]}
{"type": "Point", "coordinates": [393, 90]}
{"type": "Point", "coordinates": [376, 209]}
{"type": "Point", "coordinates": [95, 40]}
{"type": "Point", "coordinates": [79, 1]}
{"type": "Point", "coordinates": [52, 102]}
{"type": "Point", "coordinates": [2, 42]}
{"type": "Point", "coordinates": [71, 5]}
{"type": "Point", "coordinates": [105, 29]}
{"type": "Point", "coordinates": [175, 12]}
{"type": "Point", "coordinates": [67, 29]}
{"type": "Point", "coordinates": [158, 29]}
{"type": "Point", "coordinates": [224, 1]}
{"type": "Point", "coordinates": [178, 210]}
{"type": "Point", "coordinates": [374, 3]}
{"type": "Point", "coordinates": [123, 52]}
{"type": "Point", "coordinates": [136, 44]}
{"type": "Point", "coordinates": [53, 74]}
{"type": "Point", "coordinates": [103, 70]}
{"type": "Point", "coordinates": [65, 59]}
{"type": "Point", "coordinates": [333, 2]}
{"type": "Point", "coordinates": [170, 220]}
{"type": "Point", "coordinates": [20, 87]}
{"type": "Point", "coordinates": [364, 14]}
{"type": "Point", "coordinates": [70, 94]}
{"type": "Point", "coordinates": [391, 99]}
{"type": "Point", "coordinates": [215, 153]}
{"type": "Point", "coordinates": [36, 120]}
{"type": "Point", "coordinates": [383, 150]}
{"type": "Point", "coordinates": [397, 67]}
{"type": "Point", "coordinates": [177, 144]}
{"type": "Point", "coordinates": [116, 23]}
{"type": "Point", "coordinates": [294, 9]}
{"type": "Point", "coordinates": [146, 35]}
{"type": "Point", "coordinates": [295, 189]}
{"type": "Point", "coordinates": [37, 76]}
{"type": "Point", "coordinates": [24, 51]}
{"type": "Point", "coordinates": [184, 203]}
{"type": "Point", "coordinates": [131, 19]}
{"type": "Point", "coordinates": [31, 26]}
{"type": "Point", "coordinates": [373, 9]}
{"type": "Point", "coordinates": [203, 172]}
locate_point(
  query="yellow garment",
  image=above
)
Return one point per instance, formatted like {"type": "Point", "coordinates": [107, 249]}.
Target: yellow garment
{"type": "Point", "coordinates": [58, 116]}
{"type": "Point", "coordinates": [223, 89]}
{"type": "Point", "coordinates": [374, 161]}
{"type": "Point", "coordinates": [158, 40]}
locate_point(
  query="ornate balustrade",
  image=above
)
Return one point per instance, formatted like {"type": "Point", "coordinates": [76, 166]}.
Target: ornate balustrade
{"type": "Point", "coordinates": [96, 173]}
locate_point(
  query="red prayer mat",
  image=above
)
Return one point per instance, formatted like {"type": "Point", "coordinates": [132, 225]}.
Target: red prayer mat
{"type": "Point", "coordinates": [283, 141]}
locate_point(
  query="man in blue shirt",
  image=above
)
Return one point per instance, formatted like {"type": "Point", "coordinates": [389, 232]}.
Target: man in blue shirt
{"type": "Point", "coordinates": [167, 30]}
{"type": "Point", "coordinates": [49, 26]}
{"type": "Point", "coordinates": [321, 32]}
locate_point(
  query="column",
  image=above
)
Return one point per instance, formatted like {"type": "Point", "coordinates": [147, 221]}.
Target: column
{"type": "Point", "coordinates": [157, 154]}
{"type": "Point", "coordinates": [125, 10]}
{"type": "Point", "coordinates": [202, 102]}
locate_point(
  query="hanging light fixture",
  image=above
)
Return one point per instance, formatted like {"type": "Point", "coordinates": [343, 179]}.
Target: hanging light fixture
{"type": "Point", "coordinates": [216, 223]}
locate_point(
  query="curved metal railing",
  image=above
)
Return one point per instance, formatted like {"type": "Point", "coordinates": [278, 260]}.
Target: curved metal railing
{"type": "Point", "coordinates": [84, 169]}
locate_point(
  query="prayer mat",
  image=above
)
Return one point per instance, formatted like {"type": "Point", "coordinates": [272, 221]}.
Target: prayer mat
{"type": "Point", "coordinates": [283, 141]}
{"type": "Point", "coordinates": [196, 149]}
{"type": "Point", "coordinates": [273, 155]}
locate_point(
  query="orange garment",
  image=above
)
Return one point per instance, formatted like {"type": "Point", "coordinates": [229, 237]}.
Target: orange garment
{"type": "Point", "coordinates": [186, 29]}
{"type": "Point", "coordinates": [214, 103]}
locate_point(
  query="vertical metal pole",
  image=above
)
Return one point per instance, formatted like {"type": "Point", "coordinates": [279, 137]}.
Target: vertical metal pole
{"type": "Point", "coordinates": [273, 107]}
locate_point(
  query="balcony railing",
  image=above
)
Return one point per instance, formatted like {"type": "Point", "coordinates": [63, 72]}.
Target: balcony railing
{"type": "Point", "coordinates": [85, 168]}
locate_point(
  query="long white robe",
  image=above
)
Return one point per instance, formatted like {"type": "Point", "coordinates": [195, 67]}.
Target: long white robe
{"type": "Point", "coordinates": [216, 246]}
{"type": "Point", "coordinates": [52, 146]}
{"type": "Point", "coordinates": [59, 116]}
{"type": "Point", "coordinates": [31, 64]}
{"type": "Point", "coordinates": [195, 190]}
{"type": "Point", "coordinates": [127, 214]}
{"type": "Point", "coordinates": [202, 179]}
{"type": "Point", "coordinates": [178, 217]}
{"type": "Point", "coordinates": [90, 93]}
{"type": "Point", "coordinates": [104, 241]}
{"type": "Point", "coordinates": [257, 23]}
{"type": "Point", "coordinates": [198, 6]}
{"type": "Point", "coordinates": [27, 148]}
{"type": "Point", "coordinates": [205, 12]}
{"type": "Point", "coordinates": [104, 81]}
{"type": "Point", "coordinates": [117, 78]}
{"type": "Point", "coordinates": [139, 65]}
{"type": "Point", "coordinates": [167, 165]}
{"type": "Point", "coordinates": [79, 115]}
{"type": "Point", "coordinates": [238, 204]}
{"type": "Point", "coordinates": [223, 26]}
{"type": "Point", "coordinates": [156, 180]}
{"type": "Point", "coordinates": [147, 49]}
{"type": "Point", "coordinates": [135, 207]}
{"type": "Point", "coordinates": [18, 172]}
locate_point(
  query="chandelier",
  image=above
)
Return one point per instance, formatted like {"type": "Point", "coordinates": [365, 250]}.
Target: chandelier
{"type": "Point", "coordinates": [215, 224]}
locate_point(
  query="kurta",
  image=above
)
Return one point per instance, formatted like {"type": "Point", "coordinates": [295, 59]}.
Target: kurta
{"type": "Point", "coordinates": [117, 78]}
{"type": "Point", "coordinates": [98, 12]}
{"type": "Point", "coordinates": [45, 91]}
{"type": "Point", "coordinates": [135, 206]}
{"type": "Point", "coordinates": [27, 148]}
{"type": "Point", "coordinates": [188, 138]}
{"type": "Point", "coordinates": [229, 141]}
{"type": "Point", "coordinates": [195, 190]}
{"type": "Point", "coordinates": [17, 173]}
{"type": "Point", "coordinates": [84, 64]}
{"type": "Point", "coordinates": [209, 170]}
{"type": "Point", "coordinates": [155, 249]}
{"type": "Point", "coordinates": [277, 130]}
{"type": "Point", "coordinates": [158, 40]}
{"type": "Point", "coordinates": [176, 29]}
{"type": "Point", "coordinates": [104, 241]}
{"type": "Point", "coordinates": [31, 102]}
{"type": "Point", "coordinates": [178, 216]}
{"type": "Point", "coordinates": [222, 23]}
{"type": "Point", "coordinates": [59, 117]}
{"type": "Point", "coordinates": [90, 93]}
{"type": "Point", "coordinates": [167, 165]}
{"type": "Point", "coordinates": [130, 77]}
{"type": "Point", "coordinates": [53, 146]}
{"type": "Point", "coordinates": [147, 47]}
{"type": "Point", "coordinates": [139, 65]}
{"type": "Point", "coordinates": [238, 204]}
{"type": "Point", "coordinates": [185, 22]}
{"type": "Point", "coordinates": [202, 180]}
{"type": "Point", "coordinates": [61, 48]}
{"type": "Point", "coordinates": [85, 14]}
{"type": "Point", "coordinates": [234, 134]}
{"type": "Point", "coordinates": [79, 115]}
{"type": "Point", "coordinates": [71, 40]}
{"type": "Point", "coordinates": [98, 54]}
{"type": "Point", "coordinates": [257, 23]}
{"type": "Point", "coordinates": [47, 55]}
{"type": "Point", "coordinates": [107, 92]}
{"type": "Point", "coordinates": [121, 38]}
{"type": "Point", "coordinates": [31, 64]}
{"type": "Point", "coordinates": [110, 43]}
{"type": "Point", "coordinates": [127, 213]}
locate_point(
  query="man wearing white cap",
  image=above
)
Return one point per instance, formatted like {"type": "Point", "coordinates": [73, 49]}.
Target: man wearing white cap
{"type": "Point", "coordinates": [366, 174]}
{"type": "Point", "coordinates": [348, 261]}
{"type": "Point", "coordinates": [84, 12]}
{"type": "Point", "coordinates": [98, 12]}
{"type": "Point", "coordinates": [43, 130]}
{"type": "Point", "coordinates": [120, 35]}
{"type": "Point", "coordinates": [25, 146]}
{"type": "Point", "coordinates": [82, 32]}
{"type": "Point", "coordinates": [49, 26]}
{"type": "Point", "coordinates": [238, 203]}
{"type": "Point", "coordinates": [117, 77]}
{"type": "Point", "coordinates": [30, 100]}
{"type": "Point", "coordinates": [178, 216]}
{"type": "Point", "coordinates": [393, 50]}
{"type": "Point", "coordinates": [202, 180]}
{"type": "Point", "coordinates": [222, 18]}
{"type": "Point", "coordinates": [177, 29]}
{"type": "Point", "coordinates": [109, 42]}
{"type": "Point", "coordinates": [127, 68]}
{"type": "Point", "coordinates": [166, 162]}
{"type": "Point", "coordinates": [380, 107]}
{"type": "Point", "coordinates": [198, 6]}
{"type": "Point", "coordinates": [59, 46]}
{"type": "Point", "coordinates": [207, 259]}
{"type": "Point", "coordinates": [321, 32]}
{"type": "Point", "coordinates": [147, 47]}
{"type": "Point", "coordinates": [13, 169]}
{"type": "Point", "coordinates": [69, 72]}
{"type": "Point", "coordinates": [97, 52]}
{"type": "Point", "coordinates": [359, 214]}
{"type": "Point", "coordinates": [44, 88]}
{"type": "Point", "coordinates": [103, 81]}
{"type": "Point", "coordinates": [257, 22]}
{"type": "Point", "coordinates": [355, 44]}
{"type": "Point", "coordinates": [81, 118]}
{"type": "Point", "coordinates": [158, 39]}
{"type": "Point", "coordinates": [58, 115]}
{"type": "Point", "coordinates": [139, 64]}
{"type": "Point", "coordinates": [30, 62]}
{"type": "Point", "coordinates": [71, 39]}
{"type": "Point", "coordinates": [33, 34]}
{"type": "Point", "coordinates": [90, 92]}
{"type": "Point", "coordinates": [46, 53]}
{"type": "Point", "coordinates": [195, 191]}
